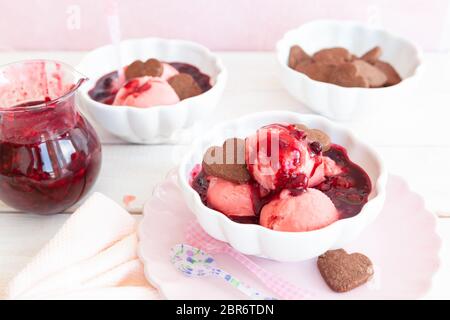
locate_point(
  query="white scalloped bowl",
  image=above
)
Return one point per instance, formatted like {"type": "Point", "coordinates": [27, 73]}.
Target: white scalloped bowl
{"type": "Point", "coordinates": [343, 103]}
{"type": "Point", "coordinates": [277, 245]}
{"type": "Point", "coordinates": [177, 123]}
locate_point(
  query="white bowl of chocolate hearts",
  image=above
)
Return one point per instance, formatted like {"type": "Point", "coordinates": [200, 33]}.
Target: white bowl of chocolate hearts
{"type": "Point", "coordinates": [282, 185]}
{"type": "Point", "coordinates": [152, 90]}
{"type": "Point", "coordinates": [344, 69]}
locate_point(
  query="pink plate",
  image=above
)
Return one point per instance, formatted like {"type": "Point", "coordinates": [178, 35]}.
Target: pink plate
{"type": "Point", "coordinates": [402, 243]}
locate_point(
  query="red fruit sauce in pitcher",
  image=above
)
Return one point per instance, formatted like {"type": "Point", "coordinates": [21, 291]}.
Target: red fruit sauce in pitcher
{"type": "Point", "coordinates": [50, 156]}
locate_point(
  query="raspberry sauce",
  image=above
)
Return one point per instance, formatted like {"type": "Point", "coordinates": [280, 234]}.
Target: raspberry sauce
{"type": "Point", "coordinates": [106, 88]}
{"type": "Point", "coordinates": [49, 156]}
{"type": "Point", "coordinates": [349, 191]}
{"type": "Point", "coordinates": [202, 79]}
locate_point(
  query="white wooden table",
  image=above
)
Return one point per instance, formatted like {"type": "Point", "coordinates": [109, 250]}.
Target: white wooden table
{"type": "Point", "coordinates": [415, 143]}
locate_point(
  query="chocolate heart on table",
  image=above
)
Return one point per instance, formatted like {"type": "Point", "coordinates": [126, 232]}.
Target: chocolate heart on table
{"type": "Point", "coordinates": [342, 271]}
{"type": "Point", "coordinates": [392, 76]}
{"type": "Point", "coordinates": [297, 56]}
{"type": "Point", "coordinates": [227, 162]}
{"type": "Point", "coordinates": [334, 56]}
{"type": "Point", "coordinates": [372, 55]}
{"type": "Point", "coordinates": [185, 86]}
{"type": "Point", "coordinates": [316, 135]}
{"type": "Point", "coordinates": [151, 67]}
{"type": "Point", "coordinates": [348, 75]}
{"type": "Point", "coordinates": [375, 77]}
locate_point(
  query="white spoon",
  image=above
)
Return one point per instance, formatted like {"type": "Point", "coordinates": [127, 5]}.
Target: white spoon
{"type": "Point", "coordinates": [194, 262]}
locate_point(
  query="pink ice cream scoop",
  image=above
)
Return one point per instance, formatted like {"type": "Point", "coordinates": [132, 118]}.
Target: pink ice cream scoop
{"type": "Point", "coordinates": [309, 210]}
{"type": "Point", "coordinates": [328, 168]}
{"type": "Point", "coordinates": [168, 71]}
{"type": "Point", "coordinates": [278, 156]}
{"type": "Point", "coordinates": [230, 198]}
{"type": "Point", "coordinates": [146, 92]}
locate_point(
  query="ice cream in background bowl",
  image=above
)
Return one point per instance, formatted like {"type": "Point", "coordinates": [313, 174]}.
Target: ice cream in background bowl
{"type": "Point", "coordinates": [306, 185]}
{"type": "Point", "coordinates": [145, 92]}
{"type": "Point", "coordinates": [152, 90]}
{"type": "Point", "coordinates": [149, 84]}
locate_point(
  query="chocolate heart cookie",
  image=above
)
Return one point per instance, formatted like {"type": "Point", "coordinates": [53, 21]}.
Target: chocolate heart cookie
{"type": "Point", "coordinates": [185, 86]}
{"type": "Point", "coordinates": [316, 70]}
{"type": "Point", "coordinates": [348, 75]}
{"type": "Point", "coordinates": [372, 55]}
{"type": "Point", "coordinates": [297, 56]}
{"type": "Point", "coordinates": [334, 56]}
{"type": "Point", "coordinates": [392, 76]}
{"type": "Point", "coordinates": [151, 67]}
{"type": "Point", "coordinates": [316, 135]}
{"type": "Point", "coordinates": [134, 70]}
{"type": "Point", "coordinates": [227, 162]}
{"type": "Point", "coordinates": [375, 77]}
{"type": "Point", "coordinates": [339, 66]}
{"type": "Point", "coordinates": [342, 271]}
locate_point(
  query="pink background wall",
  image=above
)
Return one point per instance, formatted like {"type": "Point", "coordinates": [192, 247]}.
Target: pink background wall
{"type": "Point", "coordinates": [220, 24]}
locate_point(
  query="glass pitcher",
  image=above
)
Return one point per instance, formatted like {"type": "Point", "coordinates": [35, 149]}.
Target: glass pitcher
{"type": "Point", "coordinates": [50, 156]}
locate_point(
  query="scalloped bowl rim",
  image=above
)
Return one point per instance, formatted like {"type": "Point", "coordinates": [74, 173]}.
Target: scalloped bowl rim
{"type": "Point", "coordinates": [378, 186]}
{"type": "Point", "coordinates": [219, 78]}
{"type": "Point", "coordinates": [354, 24]}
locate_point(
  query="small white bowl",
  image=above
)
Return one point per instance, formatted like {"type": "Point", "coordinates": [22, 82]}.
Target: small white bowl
{"type": "Point", "coordinates": [343, 103]}
{"type": "Point", "coordinates": [277, 245]}
{"type": "Point", "coordinates": [177, 123]}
